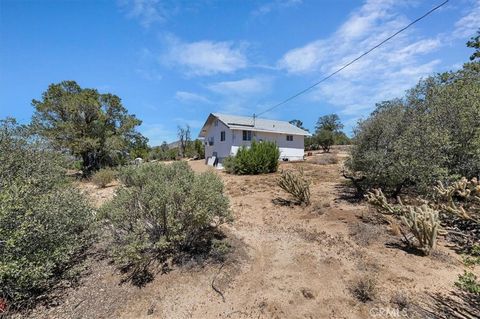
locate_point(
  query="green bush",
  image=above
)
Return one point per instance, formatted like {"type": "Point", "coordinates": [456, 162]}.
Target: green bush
{"type": "Point", "coordinates": [432, 134]}
{"type": "Point", "coordinates": [44, 222]}
{"type": "Point", "coordinates": [103, 177]}
{"type": "Point", "coordinates": [163, 211]}
{"type": "Point", "coordinates": [468, 282]}
{"type": "Point", "coordinates": [259, 158]}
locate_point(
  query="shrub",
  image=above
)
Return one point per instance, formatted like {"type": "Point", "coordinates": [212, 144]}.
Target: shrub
{"type": "Point", "coordinates": [296, 185]}
{"type": "Point", "coordinates": [325, 159]}
{"type": "Point", "coordinates": [432, 134]}
{"type": "Point", "coordinates": [468, 282]}
{"type": "Point", "coordinates": [44, 222]}
{"type": "Point", "coordinates": [259, 158]}
{"type": "Point", "coordinates": [164, 211]}
{"type": "Point", "coordinates": [103, 177]}
{"type": "Point", "coordinates": [229, 164]}
{"type": "Point", "coordinates": [364, 289]}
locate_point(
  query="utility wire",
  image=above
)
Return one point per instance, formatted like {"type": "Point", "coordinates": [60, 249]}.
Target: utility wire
{"type": "Point", "coordinates": [351, 62]}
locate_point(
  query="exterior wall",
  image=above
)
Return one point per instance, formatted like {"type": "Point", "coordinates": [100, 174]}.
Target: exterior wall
{"type": "Point", "coordinates": [291, 150]}
{"type": "Point", "coordinates": [223, 149]}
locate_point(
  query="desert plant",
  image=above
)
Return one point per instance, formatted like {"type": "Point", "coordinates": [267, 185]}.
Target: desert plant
{"type": "Point", "coordinates": [164, 211]}
{"type": "Point", "coordinates": [45, 223]}
{"type": "Point", "coordinates": [460, 198]}
{"type": "Point", "coordinates": [296, 185]}
{"type": "Point", "coordinates": [431, 134]}
{"type": "Point", "coordinates": [229, 164]}
{"type": "Point", "coordinates": [325, 159]}
{"type": "Point", "coordinates": [468, 281]}
{"type": "Point", "coordinates": [259, 158]}
{"type": "Point", "coordinates": [103, 177]}
{"type": "Point", "coordinates": [364, 289]}
{"type": "Point", "coordinates": [423, 222]}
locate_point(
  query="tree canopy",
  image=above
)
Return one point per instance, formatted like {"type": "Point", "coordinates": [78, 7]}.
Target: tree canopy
{"type": "Point", "coordinates": [329, 122]}
{"type": "Point", "coordinates": [92, 126]}
{"type": "Point", "coordinates": [298, 124]}
{"type": "Point", "coordinates": [475, 44]}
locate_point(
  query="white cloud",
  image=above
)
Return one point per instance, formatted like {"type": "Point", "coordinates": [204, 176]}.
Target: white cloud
{"type": "Point", "coordinates": [189, 97]}
{"type": "Point", "coordinates": [247, 86]}
{"type": "Point", "coordinates": [383, 74]}
{"type": "Point", "coordinates": [205, 57]}
{"type": "Point", "coordinates": [275, 5]}
{"type": "Point", "coordinates": [147, 12]}
{"type": "Point", "coordinates": [466, 26]}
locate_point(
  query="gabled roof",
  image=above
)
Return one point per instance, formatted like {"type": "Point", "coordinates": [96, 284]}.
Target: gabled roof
{"type": "Point", "coordinates": [236, 122]}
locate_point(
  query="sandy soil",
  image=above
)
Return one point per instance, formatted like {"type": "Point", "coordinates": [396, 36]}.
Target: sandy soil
{"type": "Point", "coordinates": [288, 262]}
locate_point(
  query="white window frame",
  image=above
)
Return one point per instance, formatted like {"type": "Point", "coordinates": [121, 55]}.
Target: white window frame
{"type": "Point", "coordinates": [223, 136]}
{"type": "Point", "coordinates": [290, 138]}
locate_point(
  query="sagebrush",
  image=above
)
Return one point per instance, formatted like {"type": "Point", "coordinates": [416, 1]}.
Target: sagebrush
{"type": "Point", "coordinates": [45, 223]}
{"type": "Point", "coordinates": [163, 211]}
{"type": "Point", "coordinates": [103, 177]}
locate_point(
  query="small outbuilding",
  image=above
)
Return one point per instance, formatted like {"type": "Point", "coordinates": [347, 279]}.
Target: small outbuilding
{"type": "Point", "coordinates": [225, 134]}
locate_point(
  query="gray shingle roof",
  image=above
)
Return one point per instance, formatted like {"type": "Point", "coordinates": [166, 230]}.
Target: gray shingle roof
{"type": "Point", "coordinates": [236, 122]}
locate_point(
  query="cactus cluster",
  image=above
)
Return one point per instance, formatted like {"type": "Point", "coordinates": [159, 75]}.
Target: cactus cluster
{"type": "Point", "coordinates": [464, 190]}
{"type": "Point", "coordinates": [421, 221]}
{"type": "Point", "coordinates": [296, 185]}
{"type": "Point", "coordinates": [424, 223]}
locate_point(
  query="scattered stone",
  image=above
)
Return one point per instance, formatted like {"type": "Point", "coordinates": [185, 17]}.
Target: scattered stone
{"type": "Point", "coordinates": [307, 293]}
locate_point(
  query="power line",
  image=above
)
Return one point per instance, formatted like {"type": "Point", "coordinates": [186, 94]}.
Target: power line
{"type": "Point", "coordinates": [353, 61]}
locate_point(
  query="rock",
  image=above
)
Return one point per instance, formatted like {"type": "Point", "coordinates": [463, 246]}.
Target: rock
{"type": "Point", "coordinates": [307, 293]}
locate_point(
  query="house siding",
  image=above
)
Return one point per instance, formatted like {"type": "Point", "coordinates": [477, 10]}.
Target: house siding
{"type": "Point", "coordinates": [223, 148]}
{"type": "Point", "coordinates": [291, 150]}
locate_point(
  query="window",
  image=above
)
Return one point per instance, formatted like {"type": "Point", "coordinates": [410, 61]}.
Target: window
{"type": "Point", "coordinates": [216, 122]}
{"type": "Point", "coordinates": [247, 135]}
{"type": "Point", "coordinates": [211, 141]}
{"type": "Point", "coordinates": [289, 138]}
{"type": "Point", "coordinates": [222, 136]}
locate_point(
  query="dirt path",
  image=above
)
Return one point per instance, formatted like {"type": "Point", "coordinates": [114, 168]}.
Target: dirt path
{"type": "Point", "coordinates": [289, 262]}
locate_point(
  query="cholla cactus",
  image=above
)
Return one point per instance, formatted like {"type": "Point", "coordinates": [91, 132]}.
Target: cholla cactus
{"type": "Point", "coordinates": [296, 185]}
{"type": "Point", "coordinates": [378, 199]}
{"type": "Point", "coordinates": [424, 223]}
{"type": "Point", "coordinates": [465, 189]}
{"type": "Point", "coordinates": [468, 191]}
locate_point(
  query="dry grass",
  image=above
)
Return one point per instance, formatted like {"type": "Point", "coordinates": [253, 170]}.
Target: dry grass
{"type": "Point", "coordinates": [364, 289]}
{"type": "Point", "coordinates": [365, 234]}
{"type": "Point", "coordinates": [325, 159]}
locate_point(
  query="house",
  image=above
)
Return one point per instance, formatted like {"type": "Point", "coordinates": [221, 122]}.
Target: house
{"type": "Point", "coordinates": [225, 134]}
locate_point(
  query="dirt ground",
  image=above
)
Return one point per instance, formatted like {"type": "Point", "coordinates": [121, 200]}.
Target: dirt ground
{"type": "Point", "coordinates": [288, 262]}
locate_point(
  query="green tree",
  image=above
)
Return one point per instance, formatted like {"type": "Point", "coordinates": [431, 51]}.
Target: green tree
{"type": "Point", "coordinates": [432, 134]}
{"type": "Point", "coordinates": [325, 138]}
{"type": "Point", "coordinates": [92, 126]}
{"type": "Point", "coordinates": [298, 124]}
{"type": "Point", "coordinates": [329, 122]}
{"type": "Point", "coordinates": [475, 44]}
{"type": "Point", "coordinates": [328, 131]}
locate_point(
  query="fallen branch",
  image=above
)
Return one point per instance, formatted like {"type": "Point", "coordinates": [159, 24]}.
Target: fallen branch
{"type": "Point", "coordinates": [213, 282]}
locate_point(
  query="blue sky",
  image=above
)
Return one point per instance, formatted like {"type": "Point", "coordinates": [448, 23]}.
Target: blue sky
{"type": "Point", "coordinates": [174, 62]}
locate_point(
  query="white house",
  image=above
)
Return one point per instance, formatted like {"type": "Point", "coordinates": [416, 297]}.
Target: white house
{"type": "Point", "coordinates": [225, 134]}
